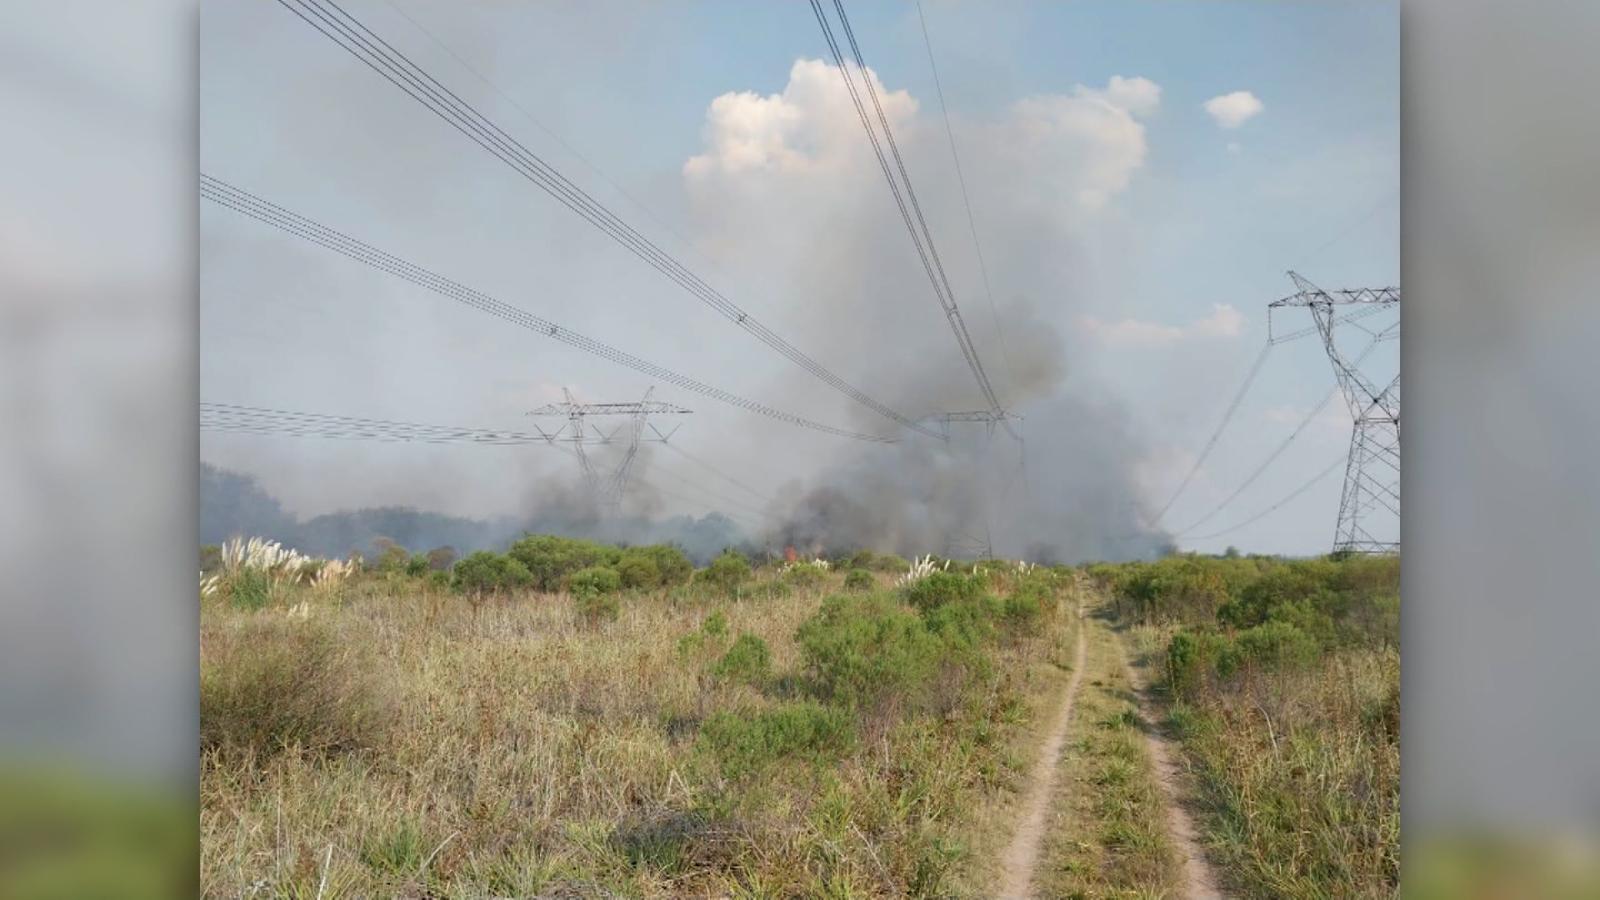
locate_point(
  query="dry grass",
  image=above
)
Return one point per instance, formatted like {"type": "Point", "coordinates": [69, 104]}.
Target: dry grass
{"type": "Point", "coordinates": [1108, 837]}
{"type": "Point", "coordinates": [530, 753]}
{"type": "Point", "coordinates": [1299, 776]}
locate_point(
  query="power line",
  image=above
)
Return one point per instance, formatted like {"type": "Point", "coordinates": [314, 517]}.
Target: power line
{"type": "Point", "coordinates": [395, 67]}
{"type": "Point", "coordinates": [923, 241]}
{"type": "Point", "coordinates": [255, 419]}
{"type": "Point", "coordinates": [719, 473]}
{"type": "Point", "coordinates": [233, 418]}
{"type": "Point", "coordinates": [241, 201]}
{"type": "Point", "coordinates": [983, 266]}
{"type": "Point", "coordinates": [1227, 416]}
{"type": "Point", "coordinates": [1277, 452]}
{"type": "Point", "coordinates": [1332, 467]}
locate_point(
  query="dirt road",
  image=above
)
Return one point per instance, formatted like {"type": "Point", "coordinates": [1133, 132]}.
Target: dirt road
{"type": "Point", "coordinates": [1200, 882]}
{"type": "Point", "coordinates": [1022, 856]}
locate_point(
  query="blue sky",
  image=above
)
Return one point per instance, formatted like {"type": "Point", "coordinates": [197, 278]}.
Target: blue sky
{"type": "Point", "coordinates": [1189, 215]}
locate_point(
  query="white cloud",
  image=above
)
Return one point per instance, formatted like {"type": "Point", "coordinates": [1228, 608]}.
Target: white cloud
{"type": "Point", "coordinates": [1223, 322]}
{"type": "Point", "coordinates": [1139, 96]}
{"type": "Point", "coordinates": [1069, 151]}
{"type": "Point", "coordinates": [811, 125]}
{"type": "Point", "coordinates": [1231, 110]}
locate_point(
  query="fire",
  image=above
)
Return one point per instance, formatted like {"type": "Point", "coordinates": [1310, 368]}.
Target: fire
{"type": "Point", "coordinates": [789, 554]}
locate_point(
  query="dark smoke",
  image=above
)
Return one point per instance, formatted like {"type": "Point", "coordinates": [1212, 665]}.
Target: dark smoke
{"type": "Point", "coordinates": [1066, 494]}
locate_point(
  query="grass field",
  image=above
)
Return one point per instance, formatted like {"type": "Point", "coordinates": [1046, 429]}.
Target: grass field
{"type": "Point", "coordinates": [386, 734]}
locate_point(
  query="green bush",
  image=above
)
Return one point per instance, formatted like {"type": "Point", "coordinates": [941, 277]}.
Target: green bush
{"type": "Point", "coordinates": [865, 650]}
{"type": "Point", "coordinates": [964, 624]}
{"type": "Point", "coordinates": [269, 684]}
{"type": "Point", "coordinates": [1021, 612]}
{"type": "Point", "coordinates": [859, 580]}
{"type": "Point", "coordinates": [728, 572]}
{"type": "Point", "coordinates": [1275, 645]}
{"type": "Point", "coordinates": [550, 559]}
{"type": "Point", "coordinates": [929, 593]}
{"type": "Point", "coordinates": [594, 581]}
{"type": "Point", "coordinates": [484, 572]}
{"type": "Point", "coordinates": [888, 562]}
{"type": "Point", "coordinates": [672, 565]}
{"type": "Point", "coordinates": [249, 588]}
{"type": "Point", "coordinates": [804, 576]}
{"type": "Point", "coordinates": [638, 571]}
{"type": "Point", "coordinates": [716, 624]}
{"type": "Point", "coordinates": [746, 744]}
{"type": "Point", "coordinates": [439, 581]}
{"type": "Point", "coordinates": [595, 608]}
{"type": "Point", "coordinates": [1192, 658]}
{"type": "Point", "coordinates": [748, 660]}
{"type": "Point", "coordinates": [861, 559]}
{"type": "Point", "coordinates": [417, 565]}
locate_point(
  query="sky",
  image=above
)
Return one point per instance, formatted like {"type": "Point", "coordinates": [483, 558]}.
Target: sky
{"type": "Point", "coordinates": [1140, 177]}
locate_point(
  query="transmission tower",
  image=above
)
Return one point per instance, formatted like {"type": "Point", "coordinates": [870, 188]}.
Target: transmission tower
{"type": "Point", "coordinates": [607, 489]}
{"type": "Point", "coordinates": [1372, 471]}
{"type": "Point", "coordinates": [974, 544]}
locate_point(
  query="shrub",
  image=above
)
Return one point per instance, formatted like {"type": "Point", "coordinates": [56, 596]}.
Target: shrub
{"type": "Point", "coordinates": [210, 558]}
{"type": "Point", "coordinates": [595, 608]}
{"type": "Point", "coordinates": [1275, 645]}
{"type": "Point", "coordinates": [417, 565]}
{"type": "Point", "coordinates": [1021, 612]}
{"type": "Point", "coordinates": [484, 572]}
{"type": "Point", "coordinates": [269, 684]}
{"type": "Point", "coordinates": [672, 566]}
{"type": "Point", "coordinates": [964, 624]}
{"type": "Point", "coordinates": [439, 581]}
{"type": "Point", "coordinates": [440, 559]}
{"type": "Point", "coordinates": [1191, 658]}
{"type": "Point", "coordinates": [551, 559]}
{"type": "Point", "coordinates": [939, 588]}
{"type": "Point", "coordinates": [859, 580]}
{"type": "Point", "coordinates": [866, 650]}
{"type": "Point", "coordinates": [745, 744]}
{"type": "Point", "coordinates": [888, 562]}
{"type": "Point", "coordinates": [861, 559]}
{"type": "Point", "coordinates": [748, 660]}
{"type": "Point", "coordinates": [594, 581]}
{"type": "Point", "coordinates": [727, 572]}
{"type": "Point", "coordinates": [716, 624]}
{"type": "Point", "coordinates": [389, 556]}
{"type": "Point", "coordinates": [804, 576]}
{"type": "Point", "coordinates": [638, 571]}
{"type": "Point", "coordinates": [250, 588]}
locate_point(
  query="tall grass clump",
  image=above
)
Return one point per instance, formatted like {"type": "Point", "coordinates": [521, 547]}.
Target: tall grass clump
{"type": "Point", "coordinates": [270, 684]}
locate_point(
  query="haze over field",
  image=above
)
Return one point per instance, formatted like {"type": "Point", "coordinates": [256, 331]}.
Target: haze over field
{"type": "Point", "coordinates": [1112, 189]}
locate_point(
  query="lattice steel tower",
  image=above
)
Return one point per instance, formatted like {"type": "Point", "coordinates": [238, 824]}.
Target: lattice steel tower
{"type": "Point", "coordinates": [974, 544]}
{"type": "Point", "coordinates": [1372, 473]}
{"type": "Point", "coordinates": [581, 433]}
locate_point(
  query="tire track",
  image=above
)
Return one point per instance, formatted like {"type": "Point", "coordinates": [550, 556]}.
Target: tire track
{"type": "Point", "coordinates": [1022, 856]}
{"type": "Point", "coordinates": [1200, 881]}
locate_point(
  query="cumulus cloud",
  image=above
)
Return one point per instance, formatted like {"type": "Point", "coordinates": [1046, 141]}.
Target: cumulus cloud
{"type": "Point", "coordinates": [1224, 321]}
{"type": "Point", "coordinates": [1078, 148]}
{"type": "Point", "coordinates": [1233, 110]}
{"type": "Point", "coordinates": [1139, 96]}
